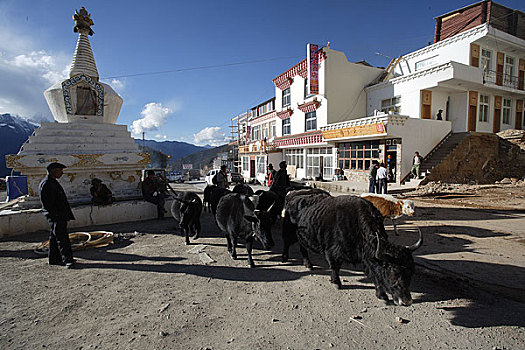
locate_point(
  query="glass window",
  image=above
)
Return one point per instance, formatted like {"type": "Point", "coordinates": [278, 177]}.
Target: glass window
{"type": "Point", "coordinates": [286, 97]}
{"type": "Point", "coordinates": [483, 108]}
{"type": "Point", "coordinates": [357, 155]}
{"type": "Point", "coordinates": [486, 59]}
{"type": "Point", "coordinates": [310, 121]}
{"type": "Point", "coordinates": [391, 105]}
{"type": "Point", "coordinates": [261, 164]}
{"type": "Point", "coordinates": [294, 157]}
{"type": "Point", "coordinates": [507, 110]}
{"type": "Point", "coordinates": [286, 126]}
{"type": "Point", "coordinates": [245, 163]}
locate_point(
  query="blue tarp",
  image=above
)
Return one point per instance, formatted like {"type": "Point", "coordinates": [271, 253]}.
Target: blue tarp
{"type": "Point", "coordinates": [16, 187]}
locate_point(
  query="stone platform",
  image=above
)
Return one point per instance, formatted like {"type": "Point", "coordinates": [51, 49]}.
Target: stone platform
{"type": "Point", "coordinates": [20, 222]}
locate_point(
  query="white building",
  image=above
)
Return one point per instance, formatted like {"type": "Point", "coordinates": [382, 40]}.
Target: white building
{"type": "Point", "coordinates": [301, 114]}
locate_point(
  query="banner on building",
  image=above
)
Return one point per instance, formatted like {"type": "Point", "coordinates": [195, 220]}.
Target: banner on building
{"type": "Point", "coordinates": [187, 166]}
{"type": "Point", "coordinates": [359, 130]}
{"type": "Point", "coordinates": [313, 68]}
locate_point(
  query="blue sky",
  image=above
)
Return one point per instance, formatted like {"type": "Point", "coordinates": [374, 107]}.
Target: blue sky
{"type": "Point", "coordinates": [134, 37]}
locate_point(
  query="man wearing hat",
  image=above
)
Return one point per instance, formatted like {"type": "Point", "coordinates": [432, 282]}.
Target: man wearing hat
{"type": "Point", "coordinates": [57, 212]}
{"type": "Point", "coordinates": [101, 194]}
{"type": "Point", "coordinates": [222, 177]}
{"type": "Point", "coordinates": [282, 180]}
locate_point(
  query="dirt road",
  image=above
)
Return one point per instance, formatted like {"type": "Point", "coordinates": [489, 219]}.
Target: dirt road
{"type": "Point", "coordinates": [150, 292]}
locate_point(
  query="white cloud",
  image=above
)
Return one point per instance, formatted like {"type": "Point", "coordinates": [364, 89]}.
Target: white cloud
{"type": "Point", "coordinates": [154, 115]}
{"type": "Point", "coordinates": [211, 135]}
{"type": "Point", "coordinates": [26, 71]}
{"type": "Point", "coordinates": [161, 137]}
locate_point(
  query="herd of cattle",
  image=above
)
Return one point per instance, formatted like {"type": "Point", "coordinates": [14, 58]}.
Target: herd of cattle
{"type": "Point", "coordinates": [345, 229]}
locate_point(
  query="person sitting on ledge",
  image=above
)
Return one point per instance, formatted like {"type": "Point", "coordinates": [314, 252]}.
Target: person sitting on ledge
{"type": "Point", "coordinates": [152, 192]}
{"type": "Point", "coordinates": [101, 194]}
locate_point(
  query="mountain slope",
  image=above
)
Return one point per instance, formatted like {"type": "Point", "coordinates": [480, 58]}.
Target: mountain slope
{"type": "Point", "coordinates": [175, 149]}
{"type": "Point", "coordinates": [201, 159]}
{"type": "Point", "coordinates": [14, 131]}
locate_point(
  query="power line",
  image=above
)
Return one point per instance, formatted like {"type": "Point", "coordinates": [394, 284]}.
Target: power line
{"type": "Point", "coordinates": [201, 67]}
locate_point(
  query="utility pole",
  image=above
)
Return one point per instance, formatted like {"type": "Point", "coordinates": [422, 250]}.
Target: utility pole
{"type": "Point", "coordinates": [143, 141]}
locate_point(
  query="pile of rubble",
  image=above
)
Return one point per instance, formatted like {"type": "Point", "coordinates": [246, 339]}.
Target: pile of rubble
{"type": "Point", "coordinates": [483, 159]}
{"type": "Point", "coordinates": [434, 188]}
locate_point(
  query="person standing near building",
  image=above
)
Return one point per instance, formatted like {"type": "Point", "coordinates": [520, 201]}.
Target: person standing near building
{"type": "Point", "coordinates": [270, 175]}
{"type": "Point", "coordinates": [382, 179]}
{"type": "Point", "coordinates": [57, 211]}
{"type": "Point", "coordinates": [372, 174]}
{"type": "Point", "coordinates": [416, 163]}
{"type": "Point", "coordinates": [222, 178]}
{"type": "Point", "coordinates": [282, 181]}
{"type": "Point", "coordinates": [152, 192]}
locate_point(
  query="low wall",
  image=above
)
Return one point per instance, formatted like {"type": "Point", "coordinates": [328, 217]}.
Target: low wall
{"type": "Point", "coordinates": [26, 221]}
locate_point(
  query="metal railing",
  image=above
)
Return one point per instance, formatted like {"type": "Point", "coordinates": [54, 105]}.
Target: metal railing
{"type": "Point", "coordinates": [503, 79]}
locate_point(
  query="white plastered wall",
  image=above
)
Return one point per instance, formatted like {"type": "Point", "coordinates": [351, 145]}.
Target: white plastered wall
{"type": "Point", "coordinates": [418, 135]}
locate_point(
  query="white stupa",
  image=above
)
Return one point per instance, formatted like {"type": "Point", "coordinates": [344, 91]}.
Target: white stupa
{"type": "Point", "coordinates": [84, 137]}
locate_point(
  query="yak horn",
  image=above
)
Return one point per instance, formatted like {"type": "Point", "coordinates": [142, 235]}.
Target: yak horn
{"type": "Point", "coordinates": [379, 250]}
{"type": "Point", "coordinates": [270, 208]}
{"type": "Point", "coordinates": [418, 244]}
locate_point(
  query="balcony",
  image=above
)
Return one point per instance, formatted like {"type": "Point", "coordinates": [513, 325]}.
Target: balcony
{"type": "Point", "coordinates": [502, 79]}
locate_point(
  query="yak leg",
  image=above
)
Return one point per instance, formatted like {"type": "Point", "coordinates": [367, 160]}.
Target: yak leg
{"type": "Point", "coordinates": [186, 230]}
{"type": "Point", "coordinates": [335, 266]}
{"type": "Point", "coordinates": [229, 244]}
{"type": "Point", "coordinates": [289, 236]}
{"type": "Point", "coordinates": [234, 248]}
{"type": "Point", "coordinates": [249, 245]}
{"type": "Point", "coordinates": [395, 227]}
{"type": "Point", "coordinates": [271, 243]}
{"type": "Point", "coordinates": [306, 258]}
{"type": "Point", "coordinates": [197, 229]}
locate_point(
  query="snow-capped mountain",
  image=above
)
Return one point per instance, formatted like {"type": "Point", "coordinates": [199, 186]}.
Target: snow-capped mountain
{"type": "Point", "coordinates": [14, 131]}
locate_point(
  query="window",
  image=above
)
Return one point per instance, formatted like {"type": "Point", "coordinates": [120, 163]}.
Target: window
{"type": "Point", "coordinates": [245, 163]}
{"type": "Point", "coordinates": [316, 157]}
{"type": "Point", "coordinates": [483, 108]}
{"type": "Point", "coordinates": [509, 66]}
{"type": "Point", "coordinates": [310, 121]}
{"type": "Point", "coordinates": [256, 132]}
{"type": "Point", "coordinates": [391, 105]}
{"type": "Point", "coordinates": [286, 126]}
{"type": "Point", "coordinates": [507, 109]}
{"type": "Point", "coordinates": [261, 164]}
{"type": "Point", "coordinates": [357, 155]}
{"type": "Point", "coordinates": [294, 157]}
{"type": "Point", "coordinates": [266, 131]}
{"type": "Point", "coordinates": [426, 63]}
{"type": "Point", "coordinates": [486, 59]}
{"type": "Point", "coordinates": [273, 129]}
{"type": "Point", "coordinates": [286, 97]}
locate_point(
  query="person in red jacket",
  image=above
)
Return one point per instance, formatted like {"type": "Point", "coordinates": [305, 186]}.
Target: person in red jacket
{"type": "Point", "coordinates": [270, 175]}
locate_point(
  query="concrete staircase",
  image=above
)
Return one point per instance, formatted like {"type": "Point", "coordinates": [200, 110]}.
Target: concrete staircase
{"type": "Point", "coordinates": [437, 155]}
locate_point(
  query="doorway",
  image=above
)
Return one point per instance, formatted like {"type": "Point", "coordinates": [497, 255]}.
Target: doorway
{"type": "Point", "coordinates": [252, 168]}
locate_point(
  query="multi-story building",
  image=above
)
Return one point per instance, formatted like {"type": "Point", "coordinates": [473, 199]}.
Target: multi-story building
{"type": "Point", "coordinates": [258, 149]}
{"type": "Point", "coordinates": [470, 79]}
{"type": "Point", "coordinates": [338, 95]}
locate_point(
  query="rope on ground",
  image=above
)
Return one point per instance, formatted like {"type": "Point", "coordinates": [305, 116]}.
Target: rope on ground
{"type": "Point", "coordinates": [81, 241]}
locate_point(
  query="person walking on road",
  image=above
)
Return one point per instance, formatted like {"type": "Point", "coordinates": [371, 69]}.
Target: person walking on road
{"type": "Point", "coordinates": [282, 180]}
{"type": "Point", "coordinates": [372, 174]}
{"type": "Point", "coordinates": [222, 178]}
{"type": "Point", "coordinates": [382, 179]}
{"type": "Point", "coordinates": [57, 211]}
{"type": "Point", "coordinates": [416, 163]}
{"type": "Point", "coordinates": [270, 175]}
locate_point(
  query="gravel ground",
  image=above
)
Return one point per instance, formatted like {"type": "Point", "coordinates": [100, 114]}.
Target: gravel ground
{"type": "Point", "coordinates": [147, 291]}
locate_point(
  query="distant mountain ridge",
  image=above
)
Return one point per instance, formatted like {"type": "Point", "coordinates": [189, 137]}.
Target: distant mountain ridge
{"type": "Point", "coordinates": [176, 149]}
{"type": "Point", "coordinates": [14, 131]}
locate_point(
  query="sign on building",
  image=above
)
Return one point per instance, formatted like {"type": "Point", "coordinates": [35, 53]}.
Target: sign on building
{"type": "Point", "coordinates": [313, 68]}
{"type": "Point", "coordinates": [187, 166]}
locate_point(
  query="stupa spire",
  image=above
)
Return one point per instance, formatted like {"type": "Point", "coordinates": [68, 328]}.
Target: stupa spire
{"type": "Point", "coordinates": [83, 60]}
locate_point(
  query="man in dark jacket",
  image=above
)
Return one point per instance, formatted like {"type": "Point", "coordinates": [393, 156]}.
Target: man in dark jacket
{"type": "Point", "coordinates": [57, 212]}
{"type": "Point", "coordinates": [282, 180]}
{"type": "Point", "coordinates": [101, 194]}
{"type": "Point", "coordinates": [152, 192]}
